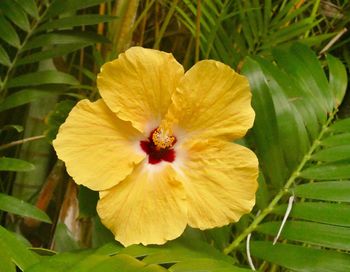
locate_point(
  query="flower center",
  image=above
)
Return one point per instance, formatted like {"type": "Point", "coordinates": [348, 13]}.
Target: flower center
{"type": "Point", "coordinates": [159, 146]}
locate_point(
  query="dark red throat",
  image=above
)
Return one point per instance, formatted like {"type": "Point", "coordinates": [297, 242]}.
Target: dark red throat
{"type": "Point", "coordinates": [155, 154]}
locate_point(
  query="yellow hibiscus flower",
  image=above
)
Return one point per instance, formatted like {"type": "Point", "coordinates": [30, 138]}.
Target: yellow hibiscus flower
{"type": "Point", "coordinates": [158, 148]}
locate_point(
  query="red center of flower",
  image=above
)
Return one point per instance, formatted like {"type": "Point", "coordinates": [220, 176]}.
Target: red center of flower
{"type": "Point", "coordinates": [159, 146]}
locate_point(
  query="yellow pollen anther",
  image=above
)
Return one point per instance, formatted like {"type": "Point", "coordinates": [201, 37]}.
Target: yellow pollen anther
{"type": "Point", "coordinates": [163, 138]}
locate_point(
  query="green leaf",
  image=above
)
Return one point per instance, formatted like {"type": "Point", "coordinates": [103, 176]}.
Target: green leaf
{"type": "Point", "coordinates": [63, 6]}
{"type": "Point", "coordinates": [78, 20]}
{"type": "Point", "coordinates": [337, 79]}
{"type": "Point", "coordinates": [265, 130]}
{"type": "Point", "coordinates": [303, 73]}
{"type": "Point", "coordinates": [176, 251]}
{"type": "Point", "coordinates": [6, 262]}
{"type": "Point", "coordinates": [331, 191]}
{"type": "Point", "coordinates": [328, 171]}
{"type": "Point", "coordinates": [298, 258]}
{"type": "Point", "coordinates": [342, 125]}
{"type": "Point", "coordinates": [54, 121]}
{"type": "Point", "coordinates": [16, 206]}
{"type": "Point", "coordinates": [51, 53]}
{"type": "Point", "coordinates": [15, 13]}
{"type": "Point", "coordinates": [339, 139]}
{"type": "Point", "coordinates": [19, 253]}
{"type": "Point", "coordinates": [30, 7]}
{"type": "Point", "coordinates": [18, 128]}
{"type": "Point", "coordinates": [10, 164]}
{"type": "Point", "coordinates": [87, 202]}
{"type": "Point", "coordinates": [336, 153]}
{"type": "Point", "coordinates": [292, 132]}
{"type": "Point", "coordinates": [23, 97]}
{"type": "Point", "coordinates": [4, 58]}
{"type": "Point", "coordinates": [204, 265]}
{"type": "Point", "coordinates": [42, 77]}
{"type": "Point", "coordinates": [312, 233]}
{"type": "Point", "coordinates": [65, 37]}
{"type": "Point", "coordinates": [329, 213]}
{"type": "Point", "coordinates": [8, 33]}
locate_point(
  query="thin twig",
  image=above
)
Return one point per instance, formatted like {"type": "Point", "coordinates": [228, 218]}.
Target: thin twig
{"type": "Point", "coordinates": [19, 142]}
{"type": "Point", "coordinates": [332, 41]}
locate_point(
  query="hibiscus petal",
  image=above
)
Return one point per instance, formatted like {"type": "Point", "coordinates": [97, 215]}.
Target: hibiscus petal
{"type": "Point", "coordinates": [148, 207]}
{"type": "Point", "coordinates": [220, 179]}
{"type": "Point", "coordinates": [99, 149]}
{"type": "Point", "coordinates": [138, 86]}
{"type": "Point", "coordinates": [213, 100]}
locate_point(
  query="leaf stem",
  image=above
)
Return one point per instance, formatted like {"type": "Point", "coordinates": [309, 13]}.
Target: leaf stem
{"type": "Point", "coordinates": [254, 224]}
{"type": "Point", "coordinates": [19, 51]}
{"type": "Point", "coordinates": [14, 143]}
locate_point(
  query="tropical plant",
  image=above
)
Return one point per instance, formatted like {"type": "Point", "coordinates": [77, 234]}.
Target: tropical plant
{"type": "Point", "coordinates": [301, 135]}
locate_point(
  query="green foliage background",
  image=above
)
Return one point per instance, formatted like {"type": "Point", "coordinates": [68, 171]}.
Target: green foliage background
{"type": "Point", "coordinates": [295, 55]}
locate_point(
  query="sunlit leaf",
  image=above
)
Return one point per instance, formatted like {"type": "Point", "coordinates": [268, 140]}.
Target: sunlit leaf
{"type": "Point", "coordinates": [11, 164]}
{"type": "Point", "coordinates": [42, 77]}
{"type": "Point", "coordinates": [78, 20]}
{"type": "Point", "coordinates": [298, 258]}
{"type": "Point", "coordinates": [19, 253]}
{"type": "Point", "coordinates": [16, 206]}
{"type": "Point", "coordinates": [332, 191]}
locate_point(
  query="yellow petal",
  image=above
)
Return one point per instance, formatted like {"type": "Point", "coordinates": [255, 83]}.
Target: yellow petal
{"type": "Point", "coordinates": [213, 100]}
{"type": "Point", "coordinates": [138, 85]}
{"type": "Point", "coordinates": [148, 207]}
{"type": "Point", "coordinates": [220, 179]}
{"type": "Point", "coordinates": [99, 149]}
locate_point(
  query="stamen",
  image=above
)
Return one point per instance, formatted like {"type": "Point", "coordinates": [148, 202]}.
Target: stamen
{"type": "Point", "coordinates": [162, 137]}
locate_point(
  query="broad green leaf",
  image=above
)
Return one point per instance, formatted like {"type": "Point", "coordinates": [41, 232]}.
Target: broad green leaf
{"type": "Point", "coordinates": [87, 202]}
{"type": "Point", "coordinates": [330, 154]}
{"type": "Point", "coordinates": [42, 77]}
{"type": "Point", "coordinates": [331, 191]}
{"type": "Point", "coordinates": [298, 69]}
{"type": "Point", "coordinates": [65, 37]}
{"type": "Point", "coordinates": [16, 206]}
{"type": "Point", "coordinates": [265, 130]}
{"type": "Point", "coordinates": [323, 212]}
{"type": "Point", "coordinates": [8, 33]}
{"type": "Point", "coordinates": [337, 79]}
{"type": "Point", "coordinates": [175, 251]}
{"type": "Point", "coordinates": [328, 171]}
{"type": "Point", "coordinates": [23, 97]}
{"type": "Point", "coordinates": [4, 58]}
{"type": "Point", "coordinates": [50, 53]}
{"type": "Point", "coordinates": [15, 13]}
{"type": "Point", "coordinates": [19, 253]}
{"type": "Point", "coordinates": [54, 120]}
{"type": "Point", "coordinates": [6, 262]}
{"type": "Point", "coordinates": [78, 20]}
{"type": "Point", "coordinates": [205, 265]}
{"type": "Point", "coordinates": [311, 233]}
{"type": "Point", "coordinates": [58, 263]}
{"type": "Point", "coordinates": [335, 140]}
{"type": "Point", "coordinates": [30, 7]}
{"type": "Point", "coordinates": [342, 125]}
{"type": "Point", "coordinates": [298, 258]}
{"type": "Point", "coordinates": [11, 164]}
{"type": "Point", "coordinates": [293, 135]}
{"type": "Point", "coordinates": [62, 6]}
